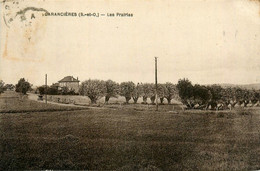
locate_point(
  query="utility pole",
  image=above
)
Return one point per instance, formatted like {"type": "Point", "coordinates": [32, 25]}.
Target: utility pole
{"type": "Point", "coordinates": [156, 86]}
{"type": "Point", "coordinates": [46, 88]}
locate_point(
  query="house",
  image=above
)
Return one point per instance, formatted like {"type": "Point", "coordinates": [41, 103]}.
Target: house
{"type": "Point", "coordinates": [70, 82]}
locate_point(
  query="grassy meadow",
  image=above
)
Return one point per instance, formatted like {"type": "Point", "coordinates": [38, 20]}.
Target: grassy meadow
{"type": "Point", "coordinates": [126, 138]}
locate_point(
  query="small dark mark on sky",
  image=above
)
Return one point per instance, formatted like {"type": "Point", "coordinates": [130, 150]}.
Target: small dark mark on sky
{"type": "Point", "coordinates": [22, 12]}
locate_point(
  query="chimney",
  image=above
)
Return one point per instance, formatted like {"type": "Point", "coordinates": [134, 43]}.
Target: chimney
{"type": "Point", "coordinates": [77, 78]}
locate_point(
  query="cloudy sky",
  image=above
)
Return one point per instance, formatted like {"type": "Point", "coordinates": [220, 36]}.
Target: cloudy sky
{"type": "Point", "coordinates": [206, 41]}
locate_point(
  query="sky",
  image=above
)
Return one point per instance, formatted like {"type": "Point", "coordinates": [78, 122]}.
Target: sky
{"type": "Point", "coordinates": [206, 41]}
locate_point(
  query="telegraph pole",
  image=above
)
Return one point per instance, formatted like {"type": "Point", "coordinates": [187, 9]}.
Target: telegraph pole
{"type": "Point", "coordinates": [46, 88]}
{"type": "Point", "coordinates": [156, 86]}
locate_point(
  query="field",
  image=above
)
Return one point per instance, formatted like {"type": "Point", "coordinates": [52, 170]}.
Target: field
{"type": "Point", "coordinates": [126, 138]}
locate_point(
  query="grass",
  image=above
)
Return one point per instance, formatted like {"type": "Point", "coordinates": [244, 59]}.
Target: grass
{"type": "Point", "coordinates": [11, 102]}
{"type": "Point", "coordinates": [128, 139]}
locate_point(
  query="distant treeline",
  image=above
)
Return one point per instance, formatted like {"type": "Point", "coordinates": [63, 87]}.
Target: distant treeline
{"type": "Point", "coordinates": [192, 96]}
{"type": "Point", "coordinates": [215, 96]}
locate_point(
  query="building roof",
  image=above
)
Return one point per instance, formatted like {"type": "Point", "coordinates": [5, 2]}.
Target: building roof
{"type": "Point", "coordinates": [69, 79]}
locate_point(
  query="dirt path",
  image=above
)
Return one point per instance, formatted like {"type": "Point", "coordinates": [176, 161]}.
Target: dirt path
{"type": "Point", "coordinates": [34, 97]}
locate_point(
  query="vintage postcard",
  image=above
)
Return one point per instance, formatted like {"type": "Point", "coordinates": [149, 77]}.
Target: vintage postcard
{"type": "Point", "coordinates": [129, 85]}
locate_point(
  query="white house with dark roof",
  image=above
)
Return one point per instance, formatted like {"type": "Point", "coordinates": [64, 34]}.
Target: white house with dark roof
{"type": "Point", "coordinates": [70, 82]}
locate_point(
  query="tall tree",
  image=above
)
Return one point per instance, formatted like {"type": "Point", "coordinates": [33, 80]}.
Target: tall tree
{"type": "Point", "coordinates": [94, 89]}
{"type": "Point", "coordinates": [185, 89]}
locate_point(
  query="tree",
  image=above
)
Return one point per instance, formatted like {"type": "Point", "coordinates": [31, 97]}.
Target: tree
{"type": "Point", "coordinates": [41, 90]}
{"type": "Point", "coordinates": [247, 97]}
{"type": "Point", "coordinates": [228, 96]}
{"type": "Point", "coordinates": [112, 90]}
{"type": "Point", "coordinates": [94, 89]}
{"type": "Point", "coordinates": [22, 86]}
{"type": "Point", "coordinates": [53, 90]}
{"type": "Point", "coordinates": [127, 90]}
{"type": "Point", "coordinates": [185, 89]}
{"type": "Point", "coordinates": [2, 86]}
{"type": "Point", "coordinates": [161, 91]}
{"type": "Point", "coordinates": [256, 97]}
{"type": "Point", "coordinates": [138, 91]}
{"type": "Point", "coordinates": [64, 90]}
{"type": "Point", "coordinates": [201, 95]}
{"type": "Point", "coordinates": [148, 91]}
{"type": "Point", "coordinates": [239, 94]}
{"type": "Point", "coordinates": [171, 91]}
{"type": "Point", "coordinates": [216, 95]}
{"type": "Point", "coordinates": [9, 87]}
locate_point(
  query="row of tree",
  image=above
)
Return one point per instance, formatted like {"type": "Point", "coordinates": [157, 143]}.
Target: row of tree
{"type": "Point", "coordinates": [22, 86]}
{"type": "Point", "coordinates": [193, 96]}
{"type": "Point", "coordinates": [96, 89]}
{"type": "Point", "coordinates": [215, 96]}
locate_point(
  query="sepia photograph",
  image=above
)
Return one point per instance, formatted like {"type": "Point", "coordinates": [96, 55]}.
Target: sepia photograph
{"type": "Point", "coordinates": [130, 85]}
